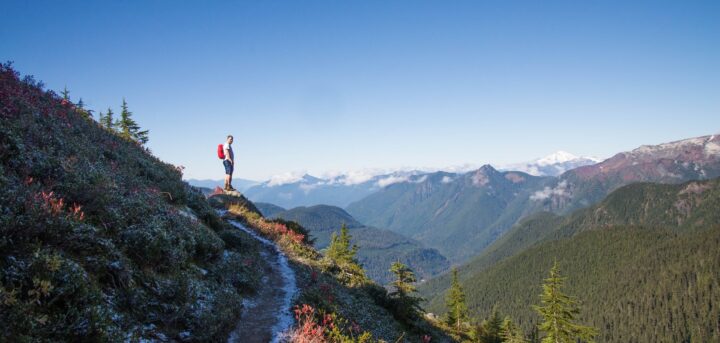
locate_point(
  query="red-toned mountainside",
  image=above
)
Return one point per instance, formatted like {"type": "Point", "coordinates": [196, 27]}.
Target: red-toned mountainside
{"type": "Point", "coordinates": [690, 159]}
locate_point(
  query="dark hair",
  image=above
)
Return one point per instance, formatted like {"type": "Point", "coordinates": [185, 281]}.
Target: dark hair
{"type": "Point", "coordinates": [230, 136]}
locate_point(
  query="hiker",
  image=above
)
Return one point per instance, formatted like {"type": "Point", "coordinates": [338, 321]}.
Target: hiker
{"type": "Point", "coordinates": [229, 163]}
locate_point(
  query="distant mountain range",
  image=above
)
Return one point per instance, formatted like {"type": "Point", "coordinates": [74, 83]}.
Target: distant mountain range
{"type": "Point", "coordinates": [460, 215]}
{"type": "Point", "coordinates": [307, 190]}
{"type": "Point", "coordinates": [379, 248]}
{"type": "Point", "coordinates": [293, 190]}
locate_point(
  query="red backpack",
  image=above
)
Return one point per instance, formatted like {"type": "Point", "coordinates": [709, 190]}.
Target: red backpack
{"type": "Point", "coordinates": [221, 152]}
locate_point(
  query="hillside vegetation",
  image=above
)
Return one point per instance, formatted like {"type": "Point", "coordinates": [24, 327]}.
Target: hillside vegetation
{"type": "Point", "coordinates": [644, 261]}
{"type": "Point", "coordinates": [378, 248]}
{"type": "Point", "coordinates": [101, 241]}
{"type": "Point", "coordinates": [459, 215]}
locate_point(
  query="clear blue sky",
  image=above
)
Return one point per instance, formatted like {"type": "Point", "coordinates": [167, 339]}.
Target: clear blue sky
{"type": "Point", "coordinates": [339, 85]}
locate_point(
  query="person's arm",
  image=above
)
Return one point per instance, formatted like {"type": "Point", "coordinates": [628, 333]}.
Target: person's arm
{"type": "Point", "coordinates": [227, 155]}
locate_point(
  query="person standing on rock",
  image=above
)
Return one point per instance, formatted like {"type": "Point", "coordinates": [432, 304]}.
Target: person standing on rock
{"type": "Point", "coordinates": [229, 163]}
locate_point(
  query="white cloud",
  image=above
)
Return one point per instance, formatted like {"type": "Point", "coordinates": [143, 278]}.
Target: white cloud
{"type": "Point", "coordinates": [446, 179]}
{"type": "Point", "coordinates": [560, 190]}
{"type": "Point", "coordinates": [285, 178]}
{"type": "Point", "coordinates": [307, 187]}
{"type": "Point", "coordinates": [421, 179]}
{"type": "Point", "coordinates": [391, 180]}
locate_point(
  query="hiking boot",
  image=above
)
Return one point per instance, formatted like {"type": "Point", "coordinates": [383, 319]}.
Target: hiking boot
{"type": "Point", "coordinates": [230, 188]}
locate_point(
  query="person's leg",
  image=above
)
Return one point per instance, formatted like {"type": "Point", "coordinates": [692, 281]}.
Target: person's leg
{"type": "Point", "coordinates": [228, 172]}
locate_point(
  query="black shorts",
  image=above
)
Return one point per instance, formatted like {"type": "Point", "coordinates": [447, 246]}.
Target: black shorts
{"type": "Point", "coordinates": [228, 167]}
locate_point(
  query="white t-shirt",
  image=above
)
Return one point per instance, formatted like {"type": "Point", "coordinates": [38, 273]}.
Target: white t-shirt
{"type": "Point", "coordinates": [228, 149]}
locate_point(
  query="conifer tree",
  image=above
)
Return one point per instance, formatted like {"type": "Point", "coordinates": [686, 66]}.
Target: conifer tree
{"type": "Point", "coordinates": [490, 330]}
{"type": "Point", "coordinates": [65, 94]}
{"type": "Point", "coordinates": [511, 333]}
{"type": "Point", "coordinates": [559, 311]}
{"type": "Point", "coordinates": [408, 305]}
{"type": "Point", "coordinates": [340, 250]}
{"type": "Point", "coordinates": [80, 108]}
{"type": "Point", "coordinates": [128, 127]}
{"type": "Point", "coordinates": [106, 120]}
{"type": "Point", "coordinates": [343, 254]}
{"type": "Point", "coordinates": [455, 302]}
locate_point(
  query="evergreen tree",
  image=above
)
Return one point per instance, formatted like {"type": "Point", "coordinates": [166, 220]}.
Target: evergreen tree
{"type": "Point", "coordinates": [128, 128]}
{"type": "Point", "coordinates": [343, 254]}
{"type": "Point", "coordinates": [80, 108]}
{"type": "Point", "coordinates": [106, 120]}
{"type": "Point", "coordinates": [490, 330]}
{"type": "Point", "coordinates": [340, 250]}
{"type": "Point", "coordinates": [558, 312]}
{"type": "Point", "coordinates": [455, 302]}
{"type": "Point", "coordinates": [511, 333]}
{"type": "Point", "coordinates": [407, 305]}
{"type": "Point", "coordinates": [65, 94]}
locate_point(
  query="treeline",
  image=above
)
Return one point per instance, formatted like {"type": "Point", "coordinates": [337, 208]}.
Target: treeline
{"type": "Point", "coordinates": [125, 126]}
{"type": "Point", "coordinates": [558, 313]}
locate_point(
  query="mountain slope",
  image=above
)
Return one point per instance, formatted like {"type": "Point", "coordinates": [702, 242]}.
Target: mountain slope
{"type": "Point", "coordinates": [457, 214]}
{"type": "Point", "coordinates": [676, 162]}
{"type": "Point", "coordinates": [100, 240]}
{"type": "Point", "coordinates": [268, 209]}
{"type": "Point", "coordinates": [378, 248]}
{"type": "Point", "coordinates": [643, 242]}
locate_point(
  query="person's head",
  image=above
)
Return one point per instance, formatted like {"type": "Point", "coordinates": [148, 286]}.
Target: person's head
{"type": "Point", "coordinates": [229, 139]}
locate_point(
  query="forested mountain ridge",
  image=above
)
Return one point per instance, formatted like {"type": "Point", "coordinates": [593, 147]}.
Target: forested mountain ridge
{"type": "Point", "coordinates": [645, 257]}
{"type": "Point", "coordinates": [457, 214]}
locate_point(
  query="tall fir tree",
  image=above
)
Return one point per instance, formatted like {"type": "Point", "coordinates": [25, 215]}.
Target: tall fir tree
{"type": "Point", "coordinates": [65, 94]}
{"type": "Point", "coordinates": [80, 108]}
{"type": "Point", "coordinates": [490, 330]}
{"type": "Point", "coordinates": [559, 312]}
{"type": "Point", "coordinates": [107, 120]}
{"type": "Point", "coordinates": [455, 302]}
{"type": "Point", "coordinates": [128, 127]}
{"type": "Point", "coordinates": [342, 254]}
{"type": "Point", "coordinates": [511, 333]}
{"type": "Point", "coordinates": [340, 251]}
{"type": "Point", "coordinates": [407, 304]}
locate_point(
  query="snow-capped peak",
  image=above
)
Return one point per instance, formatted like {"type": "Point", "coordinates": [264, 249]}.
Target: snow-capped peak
{"type": "Point", "coordinates": [556, 157]}
{"type": "Point", "coordinates": [552, 165]}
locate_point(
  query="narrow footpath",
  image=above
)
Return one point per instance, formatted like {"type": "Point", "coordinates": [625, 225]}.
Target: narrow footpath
{"type": "Point", "coordinates": [268, 314]}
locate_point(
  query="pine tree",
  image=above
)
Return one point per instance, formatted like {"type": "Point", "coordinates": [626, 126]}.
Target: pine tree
{"type": "Point", "coordinates": [342, 254]}
{"type": "Point", "coordinates": [511, 333]}
{"type": "Point", "coordinates": [455, 302]}
{"type": "Point", "coordinates": [408, 305]}
{"type": "Point", "coordinates": [80, 108]}
{"type": "Point", "coordinates": [106, 120]}
{"type": "Point", "coordinates": [490, 330]}
{"type": "Point", "coordinates": [128, 128]}
{"type": "Point", "coordinates": [340, 250]}
{"type": "Point", "coordinates": [559, 311]}
{"type": "Point", "coordinates": [65, 94]}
